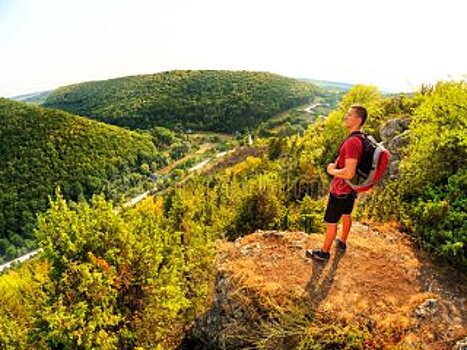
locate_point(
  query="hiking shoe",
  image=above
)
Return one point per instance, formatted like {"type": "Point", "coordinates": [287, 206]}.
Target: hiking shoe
{"type": "Point", "coordinates": [341, 245]}
{"type": "Point", "coordinates": [317, 254]}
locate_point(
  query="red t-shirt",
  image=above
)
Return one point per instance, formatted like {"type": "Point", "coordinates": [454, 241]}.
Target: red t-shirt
{"type": "Point", "coordinates": [352, 148]}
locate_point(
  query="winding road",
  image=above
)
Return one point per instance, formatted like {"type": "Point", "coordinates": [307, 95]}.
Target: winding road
{"type": "Point", "coordinates": [310, 108]}
{"type": "Point", "coordinates": [130, 203]}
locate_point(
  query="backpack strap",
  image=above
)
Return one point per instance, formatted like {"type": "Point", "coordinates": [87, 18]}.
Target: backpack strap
{"type": "Point", "coordinates": [365, 185]}
{"type": "Point", "coordinates": [368, 182]}
{"type": "Point", "coordinates": [361, 135]}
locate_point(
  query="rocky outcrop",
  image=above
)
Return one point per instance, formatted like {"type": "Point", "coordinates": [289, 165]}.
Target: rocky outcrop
{"type": "Point", "coordinates": [396, 137]}
{"type": "Point", "coordinates": [378, 294]}
{"type": "Point", "coordinates": [461, 344]}
{"type": "Point", "coordinates": [393, 127]}
{"type": "Point", "coordinates": [241, 297]}
{"type": "Point", "coordinates": [428, 308]}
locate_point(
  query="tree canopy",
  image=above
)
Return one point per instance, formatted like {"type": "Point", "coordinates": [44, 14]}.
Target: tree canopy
{"type": "Point", "coordinates": [226, 101]}
{"type": "Point", "coordinates": [43, 149]}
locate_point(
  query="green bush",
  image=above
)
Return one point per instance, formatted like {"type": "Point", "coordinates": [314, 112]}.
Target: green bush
{"type": "Point", "coordinates": [118, 279]}
{"type": "Point", "coordinates": [261, 208]}
{"type": "Point", "coordinates": [433, 175]}
{"type": "Point", "coordinates": [311, 215]}
{"type": "Point", "coordinates": [440, 218]}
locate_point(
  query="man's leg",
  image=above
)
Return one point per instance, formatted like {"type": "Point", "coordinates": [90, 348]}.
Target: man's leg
{"type": "Point", "coordinates": [346, 226]}
{"type": "Point", "coordinates": [331, 217]}
{"type": "Point", "coordinates": [331, 231]}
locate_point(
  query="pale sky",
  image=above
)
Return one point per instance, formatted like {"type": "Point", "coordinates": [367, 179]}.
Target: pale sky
{"type": "Point", "coordinates": [396, 45]}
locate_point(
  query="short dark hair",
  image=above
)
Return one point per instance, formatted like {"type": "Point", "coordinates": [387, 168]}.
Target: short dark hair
{"type": "Point", "coordinates": [361, 113]}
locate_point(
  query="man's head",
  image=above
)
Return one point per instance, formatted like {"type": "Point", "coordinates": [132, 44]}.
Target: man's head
{"type": "Point", "coordinates": [355, 117]}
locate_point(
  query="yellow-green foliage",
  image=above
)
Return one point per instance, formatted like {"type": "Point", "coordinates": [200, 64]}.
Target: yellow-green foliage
{"type": "Point", "coordinates": [118, 279]}
{"type": "Point", "coordinates": [384, 203]}
{"type": "Point", "coordinates": [434, 174]}
{"type": "Point", "coordinates": [438, 137]}
{"type": "Point", "coordinates": [22, 297]}
{"type": "Point", "coordinates": [261, 208]}
{"type": "Point", "coordinates": [249, 165]}
{"type": "Point", "coordinates": [311, 214]}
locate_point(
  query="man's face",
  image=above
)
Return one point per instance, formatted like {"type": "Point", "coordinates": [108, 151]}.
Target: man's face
{"type": "Point", "coordinates": [351, 119]}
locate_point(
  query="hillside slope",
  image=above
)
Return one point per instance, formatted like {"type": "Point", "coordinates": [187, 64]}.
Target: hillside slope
{"type": "Point", "coordinates": [205, 100]}
{"type": "Point", "coordinates": [42, 149]}
{"type": "Point", "coordinates": [380, 294]}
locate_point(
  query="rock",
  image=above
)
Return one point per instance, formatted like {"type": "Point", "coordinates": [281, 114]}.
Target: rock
{"type": "Point", "coordinates": [428, 308]}
{"type": "Point", "coordinates": [393, 127]}
{"type": "Point", "coordinates": [250, 249]}
{"type": "Point", "coordinates": [394, 169]}
{"type": "Point", "coordinates": [395, 135]}
{"type": "Point", "coordinates": [213, 328]}
{"type": "Point", "coordinates": [397, 144]}
{"type": "Point", "coordinates": [461, 344]}
{"type": "Point", "coordinates": [272, 234]}
{"type": "Point", "coordinates": [405, 123]}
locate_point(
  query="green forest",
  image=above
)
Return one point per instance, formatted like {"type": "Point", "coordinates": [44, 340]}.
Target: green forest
{"type": "Point", "coordinates": [226, 101]}
{"type": "Point", "coordinates": [43, 149]}
{"type": "Point", "coordinates": [111, 279]}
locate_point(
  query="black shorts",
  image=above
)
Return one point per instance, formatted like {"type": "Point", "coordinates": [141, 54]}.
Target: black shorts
{"type": "Point", "coordinates": [338, 206]}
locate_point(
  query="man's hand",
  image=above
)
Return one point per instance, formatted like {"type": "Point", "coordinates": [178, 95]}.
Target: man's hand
{"type": "Point", "coordinates": [347, 172]}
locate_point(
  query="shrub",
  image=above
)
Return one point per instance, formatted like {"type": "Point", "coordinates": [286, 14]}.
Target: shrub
{"type": "Point", "coordinates": [261, 208]}
{"type": "Point", "coordinates": [433, 175]}
{"type": "Point", "coordinates": [117, 279]}
{"type": "Point", "coordinates": [311, 215]}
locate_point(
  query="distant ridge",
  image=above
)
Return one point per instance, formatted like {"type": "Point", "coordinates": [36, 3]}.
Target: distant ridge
{"type": "Point", "coordinates": [33, 97]}
{"type": "Point", "coordinates": [331, 85]}
{"type": "Point", "coordinates": [344, 87]}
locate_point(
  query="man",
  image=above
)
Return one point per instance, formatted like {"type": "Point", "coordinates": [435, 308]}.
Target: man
{"type": "Point", "coordinates": [342, 196]}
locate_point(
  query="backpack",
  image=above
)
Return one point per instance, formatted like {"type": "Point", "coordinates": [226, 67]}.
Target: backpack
{"type": "Point", "coordinates": [372, 165]}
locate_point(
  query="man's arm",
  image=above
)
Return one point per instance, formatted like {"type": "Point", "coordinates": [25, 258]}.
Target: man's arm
{"type": "Point", "coordinates": [347, 172]}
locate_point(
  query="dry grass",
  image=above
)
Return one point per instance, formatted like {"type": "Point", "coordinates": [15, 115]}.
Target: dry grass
{"type": "Point", "coordinates": [368, 295]}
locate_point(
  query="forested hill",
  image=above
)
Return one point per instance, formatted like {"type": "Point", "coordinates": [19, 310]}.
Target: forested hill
{"type": "Point", "coordinates": [204, 100]}
{"type": "Point", "coordinates": [41, 149]}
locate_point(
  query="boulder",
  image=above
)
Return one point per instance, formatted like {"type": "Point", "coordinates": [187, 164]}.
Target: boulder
{"type": "Point", "coordinates": [394, 169]}
{"type": "Point", "coordinates": [393, 127]}
{"type": "Point", "coordinates": [461, 344]}
{"type": "Point", "coordinates": [428, 308]}
{"type": "Point", "coordinates": [398, 144]}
